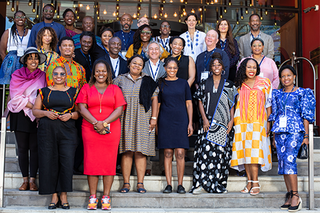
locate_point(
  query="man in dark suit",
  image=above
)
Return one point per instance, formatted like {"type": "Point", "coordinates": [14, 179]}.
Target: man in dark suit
{"type": "Point", "coordinates": [118, 64]}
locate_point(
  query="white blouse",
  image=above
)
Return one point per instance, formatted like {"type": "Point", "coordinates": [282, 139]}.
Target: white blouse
{"type": "Point", "coordinates": [195, 47]}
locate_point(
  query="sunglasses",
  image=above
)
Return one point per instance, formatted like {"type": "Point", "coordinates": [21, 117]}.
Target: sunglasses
{"type": "Point", "coordinates": [165, 26]}
{"type": "Point", "coordinates": [145, 32]}
{"type": "Point", "coordinates": [50, 11]}
{"type": "Point", "coordinates": [20, 17]}
{"type": "Point", "coordinates": [57, 74]}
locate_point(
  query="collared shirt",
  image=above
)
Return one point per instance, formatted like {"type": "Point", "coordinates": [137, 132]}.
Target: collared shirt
{"type": "Point", "coordinates": [154, 70]}
{"type": "Point", "coordinates": [115, 65]}
{"type": "Point", "coordinates": [252, 37]}
{"type": "Point", "coordinates": [77, 77]}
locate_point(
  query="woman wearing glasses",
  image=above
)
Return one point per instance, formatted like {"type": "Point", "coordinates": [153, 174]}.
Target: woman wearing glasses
{"type": "Point", "coordinates": [164, 38]}
{"type": "Point", "coordinates": [14, 40]}
{"type": "Point", "coordinates": [141, 39]}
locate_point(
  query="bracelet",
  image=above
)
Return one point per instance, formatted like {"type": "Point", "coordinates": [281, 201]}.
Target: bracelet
{"type": "Point", "coordinates": [94, 123]}
{"type": "Point", "coordinates": [154, 118]}
{"type": "Point", "coordinates": [71, 114]}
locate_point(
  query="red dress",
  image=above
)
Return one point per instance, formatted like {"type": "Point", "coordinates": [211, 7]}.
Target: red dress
{"type": "Point", "coordinates": [100, 151]}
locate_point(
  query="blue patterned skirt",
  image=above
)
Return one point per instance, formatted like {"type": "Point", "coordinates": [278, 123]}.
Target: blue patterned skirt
{"type": "Point", "coordinates": [9, 65]}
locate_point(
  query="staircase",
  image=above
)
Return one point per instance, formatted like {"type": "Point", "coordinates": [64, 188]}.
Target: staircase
{"type": "Point", "coordinates": [271, 196]}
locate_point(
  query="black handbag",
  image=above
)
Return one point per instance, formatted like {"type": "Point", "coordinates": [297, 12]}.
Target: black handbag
{"type": "Point", "coordinates": [303, 152]}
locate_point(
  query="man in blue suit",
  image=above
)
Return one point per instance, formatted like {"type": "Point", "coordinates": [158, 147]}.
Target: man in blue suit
{"type": "Point", "coordinates": [118, 64]}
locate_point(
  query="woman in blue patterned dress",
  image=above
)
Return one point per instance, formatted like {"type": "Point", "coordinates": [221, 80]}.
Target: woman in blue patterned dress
{"type": "Point", "coordinates": [292, 110]}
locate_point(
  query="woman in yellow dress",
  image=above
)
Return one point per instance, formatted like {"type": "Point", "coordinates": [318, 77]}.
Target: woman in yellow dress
{"type": "Point", "coordinates": [251, 144]}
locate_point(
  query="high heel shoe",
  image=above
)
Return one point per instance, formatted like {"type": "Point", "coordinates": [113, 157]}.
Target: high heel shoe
{"type": "Point", "coordinates": [245, 190]}
{"type": "Point", "coordinates": [286, 206]}
{"type": "Point", "coordinates": [54, 205]}
{"type": "Point", "coordinates": [255, 187]}
{"type": "Point", "coordinates": [297, 207]}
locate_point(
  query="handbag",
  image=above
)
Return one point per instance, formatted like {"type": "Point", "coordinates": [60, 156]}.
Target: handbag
{"type": "Point", "coordinates": [303, 152]}
{"type": "Point", "coordinates": [217, 133]}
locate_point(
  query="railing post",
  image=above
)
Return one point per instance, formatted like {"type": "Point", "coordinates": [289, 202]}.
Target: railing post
{"type": "Point", "coordinates": [311, 169]}
{"type": "Point", "coordinates": [2, 156]}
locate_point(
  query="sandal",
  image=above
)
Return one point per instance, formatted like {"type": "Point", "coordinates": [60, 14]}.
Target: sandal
{"type": "Point", "coordinates": [286, 206]}
{"type": "Point", "coordinates": [297, 207]}
{"type": "Point", "coordinates": [245, 190]}
{"type": "Point", "coordinates": [141, 189]}
{"type": "Point", "coordinates": [255, 187]}
{"type": "Point", "coordinates": [125, 189]}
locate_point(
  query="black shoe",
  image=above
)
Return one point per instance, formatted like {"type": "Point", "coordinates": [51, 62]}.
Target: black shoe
{"type": "Point", "coordinates": [297, 207]}
{"type": "Point", "coordinates": [168, 189]}
{"type": "Point", "coordinates": [65, 206]}
{"type": "Point", "coordinates": [181, 190]}
{"type": "Point", "coordinates": [286, 206]}
{"type": "Point", "coordinates": [54, 205]}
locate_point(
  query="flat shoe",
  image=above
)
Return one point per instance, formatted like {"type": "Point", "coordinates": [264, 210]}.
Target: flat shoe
{"type": "Point", "coordinates": [181, 190]}
{"type": "Point", "coordinates": [125, 189]}
{"type": "Point", "coordinates": [199, 190]}
{"type": "Point", "coordinates": [33, 186]}
{"type": "Point", "coordinates": [141, 189]}
{"type": "Point", "coordinates": [24, 186]}
{"type": "Point", "coordinates": [168, 189]}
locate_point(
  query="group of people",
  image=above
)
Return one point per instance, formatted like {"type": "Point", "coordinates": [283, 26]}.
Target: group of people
{"type": "Point", "coordinates": [126, 93]}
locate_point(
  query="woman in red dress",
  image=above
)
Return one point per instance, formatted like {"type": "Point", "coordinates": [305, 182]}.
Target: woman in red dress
{"type": "Point", "coordinates": [100, 104]}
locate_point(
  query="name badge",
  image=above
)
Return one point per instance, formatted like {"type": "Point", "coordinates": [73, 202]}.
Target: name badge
{"type": "Point", "coordinates": [204, 75]}
{"type": "Point", "coordinates": [283, 121]}
{"type": "Point", "coordinates": [20, 52]}
{"type": "Point", "coordinates": [124, 53]}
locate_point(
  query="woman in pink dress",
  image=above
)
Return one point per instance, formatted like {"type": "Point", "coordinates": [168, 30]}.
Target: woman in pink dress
{"type": "Point", "coordinates": [100, 104]}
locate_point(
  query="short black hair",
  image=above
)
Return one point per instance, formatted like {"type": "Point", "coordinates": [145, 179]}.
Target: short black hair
{"type": "Point", "coordinates": [104, 29]}
{"type": "Point", "coordinates": [48, 5]}
{"type": "Point", "coordinates": [65, 38]}
{"type": "Point", "coordinates": [255, 14]}
{"type": "Point", "coordinates": [257, 39]}
{"type": "Point", "coordinates": [175, 37]}
{"type": "Point", "coordinates": [287, 67]}
{"type": "Point", "coordinates": [133, 57]}
{"type": "Point", "coordinates": [68, 10]}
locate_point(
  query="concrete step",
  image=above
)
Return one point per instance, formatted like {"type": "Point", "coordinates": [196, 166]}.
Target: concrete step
{"type": "Point", "coordinates": [158, 183]}
{"type": "Point", "coordinates": [18, 209]}
{"type": "Point", "coordinates": [161, 200]}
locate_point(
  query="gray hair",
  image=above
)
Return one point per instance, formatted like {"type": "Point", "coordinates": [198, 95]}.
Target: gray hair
{"type": "Point", "coordinates": [154, 42]}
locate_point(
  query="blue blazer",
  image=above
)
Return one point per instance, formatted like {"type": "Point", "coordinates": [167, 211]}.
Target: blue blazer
{"type": "Point", "coordinates": [123, 68]}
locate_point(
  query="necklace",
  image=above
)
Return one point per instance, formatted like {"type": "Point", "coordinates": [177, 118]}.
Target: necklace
{"type": "Point", "coordinates": [100, 99]}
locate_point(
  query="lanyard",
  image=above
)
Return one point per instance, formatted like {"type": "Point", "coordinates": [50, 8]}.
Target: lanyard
{"type": "Point", "coordinates": [51, 24]}
{"type": "Point", "coordinates": [125, 41]}
{"type": "Point", "coordinates": [252, 37]}
{"type": "Point", "coordinates": [143, 55]}
{"type": "Point", "coordinates": [261, 61]}
{"type": "Point", "coordinates": [164, 45]}
{"type": "Point", "coordinates": [223, 44]}
{"type": "Point", "coordinates": [206, 62]}
{"type": "Point", "coordinates": [89, 62]}
{"type": "Point", "coordinates": [154, 75]}
{"type": "Point", "coordinates": [191, 42]}
{"type": "Point", "coordinates": [105, 49]}
{"type": "Point", "coordinates": [115, 69]}
{"type": "Point", "coordinates": [21, 38]}
{"type": "Point", "coordinates": [285, 103]}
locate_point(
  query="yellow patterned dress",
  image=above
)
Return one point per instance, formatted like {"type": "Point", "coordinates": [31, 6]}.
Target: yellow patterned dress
{"type": "Point", "coordinates": [251, 144]}
{"type": "Point", "coordinates": [51, 57]}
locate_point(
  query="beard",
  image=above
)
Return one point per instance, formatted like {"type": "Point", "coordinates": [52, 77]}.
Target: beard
{"type": "Point", "coordinates": [48, 18]}
{"type": "Point", "coordinates": [126, 27]}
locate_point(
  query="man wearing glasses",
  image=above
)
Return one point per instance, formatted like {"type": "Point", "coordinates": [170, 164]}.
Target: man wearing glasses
{"type": "Point", "coordinates": [126, 34]}
{"type": "Point", "coordinates": [48, 14]}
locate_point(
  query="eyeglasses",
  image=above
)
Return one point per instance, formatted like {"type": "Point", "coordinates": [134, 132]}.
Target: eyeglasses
{"type": "Point", "coordinates": [57, 74]}
{"type": "Point", "coordinates": [216, 65]}
{"type": "Point", "coordinates": [50, 11]}
{"type": "Point", "coordinates": [165, 26]}
{"type": "Point", "coordinates": [145, 32]}
{"type": "Point", "coordinates": [20, 17]}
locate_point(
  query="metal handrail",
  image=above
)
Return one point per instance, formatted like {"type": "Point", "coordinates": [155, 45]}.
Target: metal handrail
{"type": "Point", "coordinates": [311, 169]}
{"type": "Point", "coordinates": [2, 157]}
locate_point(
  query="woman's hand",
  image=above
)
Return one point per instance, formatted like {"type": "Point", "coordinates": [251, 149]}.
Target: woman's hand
{"type": "Point", "coordinates": [99, 127]}
{"type": "Point", "coordinates": [230, 125]}
{"type": "Point", "coordinates": [274, 142]}
{"type": "Point", "coordinates": [190, 129]}
{"type": "Point", "coordinates": [52, 115]}
{"type": "Point", "coordinates": [268, 127]}
{"type": "Point", "coordinates": [65, 117]}
{"type": "Point", "coordinates": [206, 125]}
{"type": "Point", "coordinates": [152, 125]}
{"type": "Point", "coordinates": [305, 141]}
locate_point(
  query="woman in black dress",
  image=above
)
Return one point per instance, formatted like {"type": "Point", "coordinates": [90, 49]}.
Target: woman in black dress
{"type": "Point", "coordinates": [175, 121]}
{"type": "Point", "coordinates": [57, 138]}
{"type": "Point", "coordinates": [187, 67]}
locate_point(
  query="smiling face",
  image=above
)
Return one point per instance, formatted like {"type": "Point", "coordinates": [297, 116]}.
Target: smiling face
{"type": "Point", "coordinates": [59, 76]}
{"type": "Point", "coordinates": [19, 19]}
{"type": "Point", "coordinates": [211, 38]}
{"type": "Point", "coordinates": [287, 78]}
{"type": "Point", "coordinates": [251, 69]}
{"type": "Point", "coordinates": [216, 68]}
{"type": "Point", "coordinates": [86, 43]}
{"type": "Point", "coordinates": [69, 18]}
{"type": "Point", "coordinates": [145, 34]}
{"type": "Point", "coordinates": [126, 21]}
{"type": "Point", "coordinates": [165, 28]}
{"type": "Point", "coordinates": [88, 24]}
{"type": "Point", "coordinates": [154, 51]}
{"type": "Point", "coordinates": [48, 12]}
{"type": "Point", "coordinates": [105, 37]}
{"type": "Point", "coordinates": [115, 45]}
{"type": "Point", "coordinates": [136, 66]}
{"type": "Point", "coordinates": [257, 47]}
{"type": "Point", "coordinates": [32, 61]}
{"type": "Point", "coordinates": [101, 73]}
{"type": "Point", "coordinates": [46, 37]}
{"type": "Point", "coordinates": [223, 27]}
{"type": "Point", "coordinates": [172, 69]}
{"type": "Point", "coordinates": [255, 23]}
{"type": "Point", "coordinates": [177, 46]}
{"type": "Point", "coordinates": [66, 48]}
{"type": "Point", "coordinates": [191, 22]}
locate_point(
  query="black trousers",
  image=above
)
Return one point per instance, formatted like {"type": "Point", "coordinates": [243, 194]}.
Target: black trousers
{"type": "Point", "coordinates": [57, 142]}
{"type": "Point", "coordinates": [27, 141]}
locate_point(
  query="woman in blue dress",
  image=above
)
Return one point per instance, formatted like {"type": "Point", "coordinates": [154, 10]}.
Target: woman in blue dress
{"type": "Point", "coordinates": [292, 110]}
{"type": "Point", "coordinates": [175, 121]}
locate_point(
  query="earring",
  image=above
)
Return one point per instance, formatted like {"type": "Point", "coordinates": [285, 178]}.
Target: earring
{"type": "Point", "coordinates": [223, 72]}
{"type": "Point", "coordinates": [160, 32]}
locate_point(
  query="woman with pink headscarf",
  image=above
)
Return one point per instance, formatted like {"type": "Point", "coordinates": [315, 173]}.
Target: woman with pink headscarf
{"type": "Point", "coordinates": [24, 85]}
